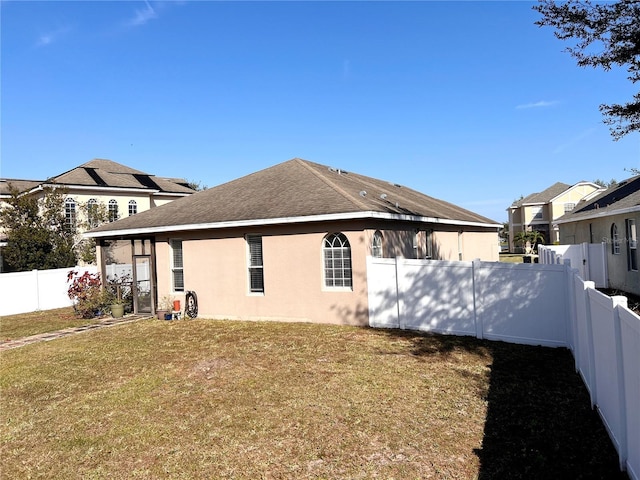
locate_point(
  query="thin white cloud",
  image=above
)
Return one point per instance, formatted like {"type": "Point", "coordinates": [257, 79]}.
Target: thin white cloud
{"type": "Point", "coordinates": [574, 140]}
{"type": "Point", "coordinates": [142, 16]}
{"type": "Point", "coordinates": [50, 37]}
{"type": "Point", "coordinates": [540, 104]}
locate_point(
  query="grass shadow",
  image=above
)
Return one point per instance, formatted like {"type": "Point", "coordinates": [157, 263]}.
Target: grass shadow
{"type": "Point", "coordinates": [539, 421]}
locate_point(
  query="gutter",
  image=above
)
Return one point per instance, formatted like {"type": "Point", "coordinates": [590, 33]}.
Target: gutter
{"type": "Point", "coordinates": [288, 220]}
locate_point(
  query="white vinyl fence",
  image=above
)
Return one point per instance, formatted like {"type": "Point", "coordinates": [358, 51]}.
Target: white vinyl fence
{"type": "Point", "coordinates": [534, 304]}
{"type": "Point", "coordinates": [590, 259]}
{"type": "Point", "coordinates": [24, 292]}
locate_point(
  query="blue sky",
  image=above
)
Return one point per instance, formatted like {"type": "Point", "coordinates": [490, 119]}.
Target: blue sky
{"type": "Point", "coordinates": [469, 102]}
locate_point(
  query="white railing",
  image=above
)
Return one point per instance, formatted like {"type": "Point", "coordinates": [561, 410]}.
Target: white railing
{"type": "Point", "coordinates": [539, 304]}
{"type": "Point", "coordinates": [24, 292]}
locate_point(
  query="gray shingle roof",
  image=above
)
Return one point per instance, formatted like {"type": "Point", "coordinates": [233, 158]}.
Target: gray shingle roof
{"type": "Point", "coordinates": [20, 185]}
{"type": "Point", "coordinates": [623, 195]}
{"type": "Point", "coordinates": [543, 197]}
{"type": "Point", "coordinates": [107, 173]}
{"type": "Point", "coordinates": [296, 188]}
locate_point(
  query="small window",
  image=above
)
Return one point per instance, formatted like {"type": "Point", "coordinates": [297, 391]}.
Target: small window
{"type": "Point", "coordinates": [177, 266]}
{"type": "Point", "coordinates": [615, 240]}
{"type": "Point", "coordinates": [536, 213]}
{"type": "Point", "coordinates": [376, 245]}
{"type": "Point", "coordinates": [133, 207]}
{"type": "Point", "coordinates": [429, 244]}
{"type": "Point", "coordinates": [113, 210]}
{"type": "Point", "coordinates": [256, 270]}
{"type": "Point", "coordinates": [568, 207]}
{"type": "Point", "coordinates": [92, 213]}
{"type": "Point", "coordinates": [632, 245]}
{"type": "Point", "coordinates": [337, 261]}
{"type": "Point", "coordinates": [69, 214]}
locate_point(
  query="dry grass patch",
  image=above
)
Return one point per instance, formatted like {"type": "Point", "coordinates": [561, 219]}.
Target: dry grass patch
{"type": "Point", "coordinates": [206, 399]}
{"type": "Point", "coordinates": [26, 324]}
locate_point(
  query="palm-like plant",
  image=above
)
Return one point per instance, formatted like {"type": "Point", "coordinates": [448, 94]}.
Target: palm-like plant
{"type": "Point", "coordinates": [528, 240]}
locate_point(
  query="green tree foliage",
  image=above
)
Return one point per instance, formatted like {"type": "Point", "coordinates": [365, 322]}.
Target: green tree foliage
{"type": "Point", "coordinates": [36, 231]}
{"type": "Point", "coordinates": [605, 35]}
{"type": "Point", "coordinates": [528, 240]}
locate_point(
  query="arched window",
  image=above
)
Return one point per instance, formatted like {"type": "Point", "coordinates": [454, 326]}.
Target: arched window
{"type": "Point", "coordinates": [615, 240]}
{"type": "Point", "coordinates": [376, 245]}
{"type": "Point", "coordinates": [133, 207]}
{"type": "Point", "coordinates": [92, 213]}
{"type": "Point", "coordinates": [336, 252]}
{"type": "Point", "coordinates": [69, 214]}
{"type": "Point", "coordinates": [113, 210]}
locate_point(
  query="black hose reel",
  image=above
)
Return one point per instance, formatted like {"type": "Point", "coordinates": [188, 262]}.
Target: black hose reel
{"type": "Point", "coordinates": [191, 307]}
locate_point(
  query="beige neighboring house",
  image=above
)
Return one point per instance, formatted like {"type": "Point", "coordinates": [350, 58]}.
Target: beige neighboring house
{"type": "Point", "coordinates": [287, 243]}
{"type": "Point", "coordinates": [538, 211]}
{"type": "Point", "coordinates": [123, 191]}
{"type": "Point", "coordinates": [611, 217]}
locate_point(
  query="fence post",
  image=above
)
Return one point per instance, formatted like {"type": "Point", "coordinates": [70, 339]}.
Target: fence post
{"type": "Point", "coordinates": [593, 390]}
{"type": "Point", "coordinates": [37, 282]}
{"type": "Point", "coordinates": [477, 319]}
{"type": "Point", "coordinates": [401, 323]}
{"type": "Point", "coordinates": [619, 302]}
{"type": "Point", "coordinates": [571, 312]}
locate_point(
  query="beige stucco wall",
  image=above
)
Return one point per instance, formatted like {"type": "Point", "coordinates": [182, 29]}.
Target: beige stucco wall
{"type": "Point", "coordinates": [620, 277]}
{"type": "Point", "coordinates": [215, 267]}
{"type": "Point", "coordinates": [573, 195]}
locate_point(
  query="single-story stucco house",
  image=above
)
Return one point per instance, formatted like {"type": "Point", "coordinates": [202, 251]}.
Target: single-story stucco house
{"type": "Point", "coordinates": [286, 243]}
{"type": "Point", "coordinates": [610, 217]}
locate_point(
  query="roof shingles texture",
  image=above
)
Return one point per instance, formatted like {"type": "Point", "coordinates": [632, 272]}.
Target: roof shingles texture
{"type": "Point", "coordinates": [296, 188]}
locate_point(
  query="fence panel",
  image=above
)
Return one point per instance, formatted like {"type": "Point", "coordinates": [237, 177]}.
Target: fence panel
{"type": "Point", "coordinates": [36, 290]}
{"type": "Point", "coordinates": [522, 303]}
{"type": "Point", "coordinates": [607, 378]}
{"type": "Point", "coordinates": [436, 296]}
{"type": "Point", "coordinates": [630, 339]}
{"type": "Point", "coordinates": [383, 293]}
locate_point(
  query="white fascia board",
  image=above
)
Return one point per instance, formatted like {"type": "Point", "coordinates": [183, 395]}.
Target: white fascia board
{"type": "Point", "coordinates": [289, 220]}
{"type": "Point", "coordinates": [597, 215]}
{"type": "Point", "coordinates": [97, 187]}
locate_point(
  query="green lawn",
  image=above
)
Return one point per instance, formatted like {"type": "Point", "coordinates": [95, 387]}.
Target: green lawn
{"type": "Point", "coordinates": [251, 400]}
{"type": "Point", "coordinates": [24, 325]}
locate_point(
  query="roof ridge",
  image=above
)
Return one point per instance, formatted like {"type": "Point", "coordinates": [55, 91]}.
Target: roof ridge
{"type": "Point", "coordinates": [331, 184]}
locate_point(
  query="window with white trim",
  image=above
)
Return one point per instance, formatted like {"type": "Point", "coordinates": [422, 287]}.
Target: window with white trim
{"type": "Point", "coordinates": [133, 207]}
{"type": "Point", "coordinates": [568, 207]}
{"type": "Point", "coordinates": [536, 213]}
{"type": "Point", "coordinates": [336, 253]}
{"type": "Point", "coordinates": [255, 262]}
{"type": "Point", "coordinates": [615, 240]}
{"type": "Point", "coordinates": [376, 245]}
{"type": "Point", "coordinates": [92, 213]}
{"type": "Point", "coordinates": [69, 214]}
{"type": "Point", "coordinates": [177, 266]}
{"type": "Point", "coordinates": [632, 245]}
{"type": "Point", "coordinates": [113, 210]}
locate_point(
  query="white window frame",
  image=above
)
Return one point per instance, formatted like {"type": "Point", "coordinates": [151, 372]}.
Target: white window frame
{"type": "Point", "coordinates": [632, 245]}
{"type": "Point", "coordinates": [377, 242]}
{"type": "Point", "coordinates": [615, 240]}
{"type": "Point", "coordinates": [133, 207]}
{"type": "Point", "coordinates": [537, 213]}
{"type": "Point", "coordinates": [336, 261]}
{"type": "Point", "coordinates": [92, 213]}
{"type": "Point", "coordinates": [70, 215]}
{"type": "Point", "coordinates": [255, 264]}
{"type": "Point", "coordinates": [113, 210]}
{"type": "Point", "coordinates": [177, 265]}
{"type": "Point", "coordinates": [568, 207]}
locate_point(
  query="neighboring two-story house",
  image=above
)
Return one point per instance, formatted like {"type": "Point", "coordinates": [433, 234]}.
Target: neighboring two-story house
{"type": "Point", "coordinates": [120, 190]}
{"type": "Point", "coordinates": [538, 211]}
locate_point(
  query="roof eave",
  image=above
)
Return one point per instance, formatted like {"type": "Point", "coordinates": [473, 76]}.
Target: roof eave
{"type": "Point", "coordinates": [600, 214]}
{"type": "Point", "coordinates": [290, 220]}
